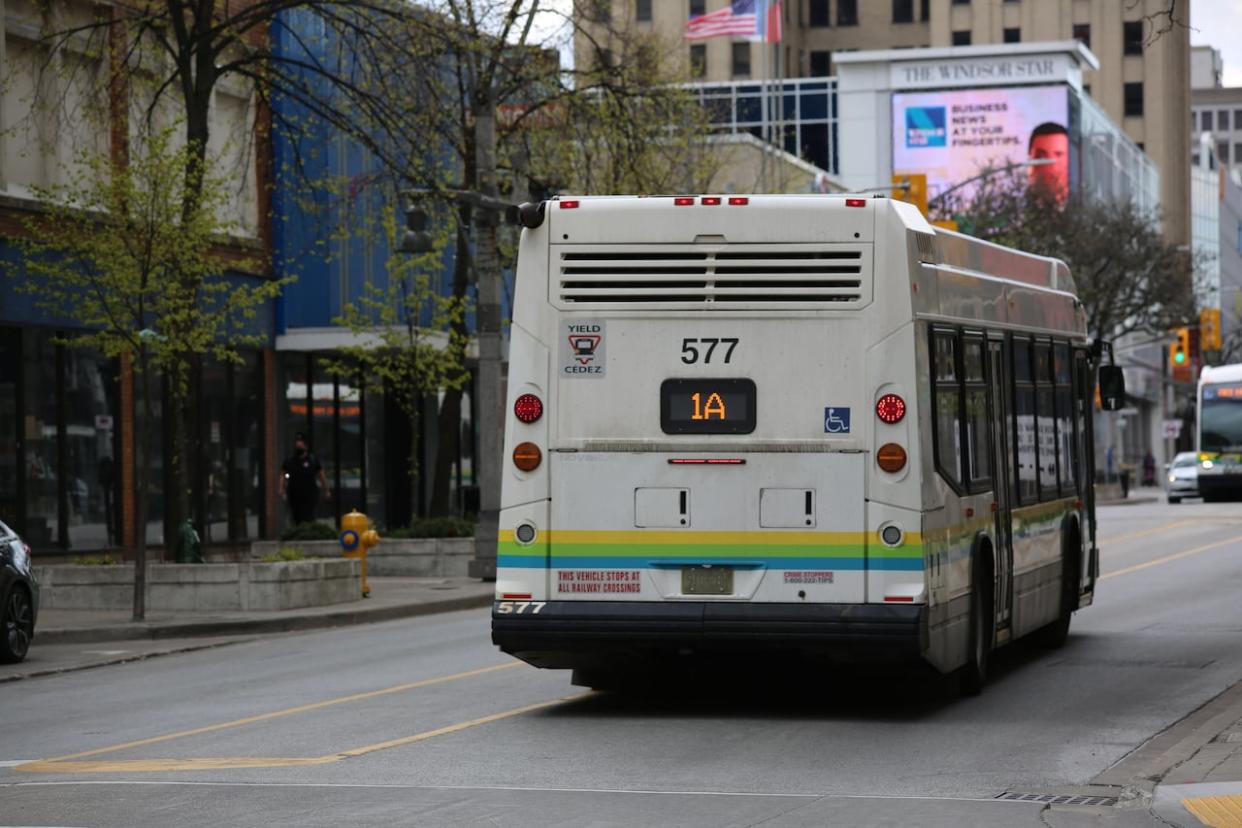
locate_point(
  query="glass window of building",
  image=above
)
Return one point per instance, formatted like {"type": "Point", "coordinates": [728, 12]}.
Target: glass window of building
{"type": "Point", "coordinates": [1237, 153]}
{"type": "Point", "coordinates": [91, 446]}
{"type": "Point", "coordinates": [819, 13]}
{"type": "Point", "coordinates": [821, 64]}
{"type": "Point", "coordinates": [847, 12]}
{"type": "Point", "coordinates": [961, 37]}
{"type": "Point", "coordinates": [1205, 121]}
{"type": "Point", "coordinates": [10, 423]}
{"type": "Point", "coordinates": [40, 360]}
{"type": "Point", "coordinates": [924, 10]}
{"type": "Point", "coordinates": [1011, 35]}
{"type": "Point", "coordinates": [642, 10]}
{"type": "Point", "coordinates": [1082, 33]}
{"type": "Point", "coordinates": [1222, 152]}
{"type": "Point", "coordinates": [698, 7]}
{"type": "Point", "coordinates": [1237, 120]}
{"type": "Point", "coordinates": [698, 60]}
{"type": "Point", "coordinates": [600, 10]}
{"type": "Point", "coordinates": [961, 2]}
{"type": "Point", "coordinates": [741, 60]}
{"type": "Point", "coordinates": [1133, 93]}
{"type": "Point", "coordinates": [903, 11]}
{"type": "Point", "coordinates": [1132, 37]}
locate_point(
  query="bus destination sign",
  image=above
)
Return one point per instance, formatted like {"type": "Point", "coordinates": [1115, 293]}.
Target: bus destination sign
{"type": "Point", "coordinates": [707, 406]}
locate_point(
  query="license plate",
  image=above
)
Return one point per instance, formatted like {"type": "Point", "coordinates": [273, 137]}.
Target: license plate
{"type": "Point", "coordinates": [700, 580]}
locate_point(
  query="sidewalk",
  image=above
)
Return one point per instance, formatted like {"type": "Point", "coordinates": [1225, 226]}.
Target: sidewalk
{"type": "Point", "coordinates": [390, 598]}
{"type": "Point", "coordinates": [1207, 788]}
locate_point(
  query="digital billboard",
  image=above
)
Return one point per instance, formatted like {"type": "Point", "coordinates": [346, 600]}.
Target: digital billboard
{"type": "Point", "coordinates": [953, 136]}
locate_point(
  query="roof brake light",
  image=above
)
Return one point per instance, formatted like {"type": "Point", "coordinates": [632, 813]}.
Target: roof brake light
{"type": "Point", "coordinates": [856, 202]}
{"type": "Point", "coordinates": [683, 201]}
{"type": "Point", "coordinates": [738, 201]}
{"type": "Point", "coordinates": [710, 201]}
{"type": "Point", "coordinates": [569, 205]}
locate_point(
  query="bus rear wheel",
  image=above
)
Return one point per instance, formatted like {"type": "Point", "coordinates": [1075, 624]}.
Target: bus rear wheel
{"type": "Point", "coordinates": [1054, 635]}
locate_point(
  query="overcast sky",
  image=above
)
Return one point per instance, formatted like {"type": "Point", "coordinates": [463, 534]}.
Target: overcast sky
{"type": "Point", "coordinates": [1219, 23]}
{"type": "Point", "coordinates": [1213, 22]}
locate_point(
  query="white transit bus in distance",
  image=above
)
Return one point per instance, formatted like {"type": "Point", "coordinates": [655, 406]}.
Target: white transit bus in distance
{"type": "Point", "coordinates": [1219, 432]}
{"type": "Point", "coordinates": [788, 424]}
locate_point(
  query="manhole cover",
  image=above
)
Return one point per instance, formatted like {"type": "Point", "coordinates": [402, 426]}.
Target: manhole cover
{"type": "Point", "coordinates": [1058, 799]}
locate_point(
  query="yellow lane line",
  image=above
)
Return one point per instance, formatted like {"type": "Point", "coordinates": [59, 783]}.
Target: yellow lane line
{"type": "Point", "coordinates": [454, 728]}
{"type": "Point", "coordinates": [1144, 532]}
{"type": "Point", "coordinates": [276, 714]}
{"type": "Point", "coordinates": [242, 762]}
{"type": "Point", "coordinates": [1169, 558]}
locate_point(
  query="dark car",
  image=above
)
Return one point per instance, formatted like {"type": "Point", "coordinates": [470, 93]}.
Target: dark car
{"type": "Point", "coordinates": [19, 597]}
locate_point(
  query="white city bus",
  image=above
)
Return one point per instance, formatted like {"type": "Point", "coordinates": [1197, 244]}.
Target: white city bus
{"type": "Point", "coordinates": [813, 424]}
{"type": "Point", "coordinates": [1219, 432]}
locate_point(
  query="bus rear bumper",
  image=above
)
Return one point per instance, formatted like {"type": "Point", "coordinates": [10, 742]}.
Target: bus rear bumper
{"type": "Point", "coordinates": [1219, 484]}
{"type": "Point", "coordinates": [570, 634]}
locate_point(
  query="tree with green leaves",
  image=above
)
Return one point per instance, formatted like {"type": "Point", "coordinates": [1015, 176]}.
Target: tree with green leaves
{"type": "Point", "coordinates": [409, 336]}
{"type": "Point", "coordinates": [115, 248]}
{"type": "Point", "coordinates": [1129, 278]}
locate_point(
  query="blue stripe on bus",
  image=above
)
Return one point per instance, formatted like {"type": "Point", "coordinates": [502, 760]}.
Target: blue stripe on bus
{"type": "Point", "coordinates": [642, 562]}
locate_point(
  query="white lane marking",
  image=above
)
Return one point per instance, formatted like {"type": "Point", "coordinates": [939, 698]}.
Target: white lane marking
{"type": "Point", "coordinates": [10, 763]}
{"type": "Point", "coordinates": [507, 788]}
{"type": "Point", "coordinates": [105, 652]}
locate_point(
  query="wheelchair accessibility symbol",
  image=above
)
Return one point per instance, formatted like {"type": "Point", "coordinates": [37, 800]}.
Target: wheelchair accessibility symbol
{"type": "Point", "coordinates": [836, 420]}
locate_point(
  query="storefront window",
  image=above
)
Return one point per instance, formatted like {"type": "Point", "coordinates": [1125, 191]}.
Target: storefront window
{"type": "Point", "coordinates": [377, 455]}
{"type": "Point", "coordinates": [213, 441]}
{"type": "Point", "coordinates": [39, 361]}
{"type": "Point", "coordinates": [10, 426]}
{"type": "Point", "coordinates": [154, 447]}
{"type": "Point", "coordinates": [246, 484]}
{"type": "Point", "coordinates": [350, 478]}
{"type": "Point", "coordinates": [323, 435]}
{"type": "Point", "coordinates": [91, 396]}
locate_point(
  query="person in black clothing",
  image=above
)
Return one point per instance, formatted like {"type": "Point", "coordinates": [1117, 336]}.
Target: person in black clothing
{"type": "Point", "coordinates": [298, 481]}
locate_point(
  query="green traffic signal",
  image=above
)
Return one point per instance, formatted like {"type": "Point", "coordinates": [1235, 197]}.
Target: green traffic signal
{"type": "Point", "coordinates": [1179, 356]}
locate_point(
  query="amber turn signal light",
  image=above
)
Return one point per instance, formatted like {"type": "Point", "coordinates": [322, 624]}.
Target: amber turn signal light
{"type": "Point", "coordinates": [527, 456]}
{"type": "Point", "coordinates": [891, 457]}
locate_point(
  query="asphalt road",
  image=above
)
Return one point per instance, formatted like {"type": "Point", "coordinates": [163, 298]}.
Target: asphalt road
{"type": "Point", "coordinates": [423, 722]}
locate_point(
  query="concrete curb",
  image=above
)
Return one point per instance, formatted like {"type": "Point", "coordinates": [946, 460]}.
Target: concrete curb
{"type": "Point", "coordinates": [125, 659]}
{"type": "Point", "coordinates": [255, 625]}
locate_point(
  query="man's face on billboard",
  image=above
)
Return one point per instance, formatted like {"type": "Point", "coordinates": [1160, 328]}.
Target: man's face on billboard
{"type": "Point", "coordinates": [1054, 176]}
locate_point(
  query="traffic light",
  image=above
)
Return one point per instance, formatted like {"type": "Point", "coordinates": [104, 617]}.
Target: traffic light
{"type": "Point", "coordinates": [1209, 329]}
{"type": "Point", "coordinates": [416, 239]}
{"type": "Point", "coordinates": [912, 189]}
{"type": "Point", "coordinates": [1179, 351]}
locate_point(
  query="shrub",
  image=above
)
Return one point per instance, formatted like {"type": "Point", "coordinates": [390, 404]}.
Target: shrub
{"type": "Point", "coordinates": [310, 532]}
{"type": "Point", "coordinates": [285, 553]}
{"type": "Point", "coordinates": [95, 560]}
{"type": "Point", "coordinates": [435, 527]}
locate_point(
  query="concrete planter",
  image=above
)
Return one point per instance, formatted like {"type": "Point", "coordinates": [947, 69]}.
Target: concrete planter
{"type": "Point", "coordinates": [407, 557]}
{"type": "Point", "coordinates": [214, 587]}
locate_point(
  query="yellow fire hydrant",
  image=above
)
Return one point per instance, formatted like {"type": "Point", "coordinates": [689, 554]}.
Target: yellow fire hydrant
{"type": "Point", "coordinates": [357, 537]}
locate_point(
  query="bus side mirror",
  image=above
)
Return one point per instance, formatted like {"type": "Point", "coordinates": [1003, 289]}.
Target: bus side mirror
{"type": "Point", "coordinates": [1112, 387]}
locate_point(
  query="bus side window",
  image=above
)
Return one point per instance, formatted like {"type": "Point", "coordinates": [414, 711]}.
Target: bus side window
{"type": "Point", "coordinates": [1064, 415]}
{"type": "Point", "coordinates": [1026, 460]}
{"type": "Point", "coordinates": [947, 391]}
{"type": "Point", "coordinates": [1046, 429]}
{"type": "Point", "coordinates": [978, 430]}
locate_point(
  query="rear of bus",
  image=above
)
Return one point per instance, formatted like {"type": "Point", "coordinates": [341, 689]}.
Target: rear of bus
{"type": "Point", "coordinates": [1220, 432]}
{"type": "Point", "coordinates": [711, 439]}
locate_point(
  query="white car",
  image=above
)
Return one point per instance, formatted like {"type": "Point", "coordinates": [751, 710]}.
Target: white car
{"type": "Point", "coordinates": [1183, 476]}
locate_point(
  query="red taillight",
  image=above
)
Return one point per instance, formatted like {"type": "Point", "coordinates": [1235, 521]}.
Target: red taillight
{"type": "Point", "coordinates": [890, 408]}
{"type": "Point", "coordinates": [683, 201]}
{"type": "Point", "coordinates": [515, 596]}
{"type": "Point", "coordinates": [738, 201]}
{"type": "Point", "coordinates": [569, 205]}
{"type": "Point", "coordinates": [528, 408]}
{"type": "Point", "coordinates": [711, 201]}
{"type": "Point", "coordinates": [903, 599]}
{"type": "Point", "coordinates": [856, 202]}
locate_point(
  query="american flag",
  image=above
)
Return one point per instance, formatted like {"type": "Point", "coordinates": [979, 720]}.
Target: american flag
{"type": "Point", "coordinates": [757, 20]}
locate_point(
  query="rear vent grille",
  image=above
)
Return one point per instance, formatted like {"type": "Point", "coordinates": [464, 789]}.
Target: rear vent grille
{"type": "Point", "coordinates": [735, 276]}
